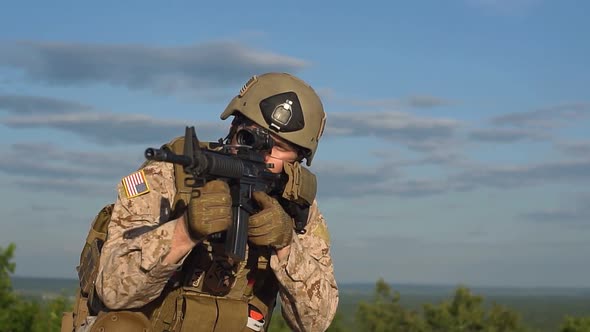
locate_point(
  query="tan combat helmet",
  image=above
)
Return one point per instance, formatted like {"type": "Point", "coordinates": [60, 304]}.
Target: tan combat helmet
{"type": "Point", "coordinates": [285, 105]}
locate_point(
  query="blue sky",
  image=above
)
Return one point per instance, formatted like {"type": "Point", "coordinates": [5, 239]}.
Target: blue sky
{"type": "Point", "coordinates": [457, 147]}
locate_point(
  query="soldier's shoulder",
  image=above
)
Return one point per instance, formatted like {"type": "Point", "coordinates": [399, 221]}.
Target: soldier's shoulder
{"type": "Point", "coordinates": [317, 224]}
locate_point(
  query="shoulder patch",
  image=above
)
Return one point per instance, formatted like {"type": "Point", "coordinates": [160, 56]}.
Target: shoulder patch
{"type": "Point", "coordinates": [321, 231]}
{"type": "Point", "coordinates": [135, 184]}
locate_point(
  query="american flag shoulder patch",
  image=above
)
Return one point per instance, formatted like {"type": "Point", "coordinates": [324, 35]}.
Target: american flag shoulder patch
{"type": "Point", "coordinates": [135, 184]}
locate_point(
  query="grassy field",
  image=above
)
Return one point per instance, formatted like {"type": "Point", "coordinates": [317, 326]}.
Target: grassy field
{"type": "Point", "coordinates": [542, 309]}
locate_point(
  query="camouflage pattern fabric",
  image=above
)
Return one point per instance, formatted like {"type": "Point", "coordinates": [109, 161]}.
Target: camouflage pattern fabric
{"type": "Point", "coordinates": [309, 293]}
{"type": "Point", "coordinates": [132, 274]}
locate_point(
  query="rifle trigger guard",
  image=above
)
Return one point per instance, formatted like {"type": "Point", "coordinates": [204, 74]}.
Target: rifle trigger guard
{"type": "Point", "coordinates": [249, 208]}
{"type": "Point", "coordinates": [192, 182]}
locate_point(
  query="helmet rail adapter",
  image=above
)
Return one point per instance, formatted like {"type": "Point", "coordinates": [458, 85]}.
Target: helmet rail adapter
{"type": "Point", "coordinates": [286, 106]}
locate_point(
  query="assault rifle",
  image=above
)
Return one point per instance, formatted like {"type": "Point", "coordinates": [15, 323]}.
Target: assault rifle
{"type": "Point", "coordinates": [244, 169]}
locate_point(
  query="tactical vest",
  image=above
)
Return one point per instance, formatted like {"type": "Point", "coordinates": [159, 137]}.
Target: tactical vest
{"type": "Point", "coordinates": [207, 294]}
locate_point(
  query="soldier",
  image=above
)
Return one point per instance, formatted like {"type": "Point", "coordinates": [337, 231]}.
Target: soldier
{"type": "Point", "coordinates": [160, 271]}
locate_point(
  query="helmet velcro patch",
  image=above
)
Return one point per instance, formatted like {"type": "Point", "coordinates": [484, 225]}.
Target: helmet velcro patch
{"type": "Point", "coordinates": [282, 112]}
{"type": "Point", "coordinates": [248, 84]}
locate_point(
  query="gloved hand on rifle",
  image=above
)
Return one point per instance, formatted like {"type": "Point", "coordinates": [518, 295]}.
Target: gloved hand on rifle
{"type": "Point", "coordinates": [271, 226]}
{"type": "Point", "coordinates": [209, 210]}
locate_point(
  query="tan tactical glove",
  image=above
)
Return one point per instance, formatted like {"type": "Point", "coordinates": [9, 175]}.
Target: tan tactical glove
{"type": "Point", "coordinates": [272, 226]}
{"type": "Point", "coordinates": [209, 209]}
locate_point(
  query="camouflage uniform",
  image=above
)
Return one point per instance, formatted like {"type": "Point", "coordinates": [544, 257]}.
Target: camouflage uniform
{"type": "Point", "coordinates": [132, 274]}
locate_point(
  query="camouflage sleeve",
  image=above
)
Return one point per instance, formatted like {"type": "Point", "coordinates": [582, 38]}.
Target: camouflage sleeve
{"type": "Point", "coordinates": [308, 292]}
{"type": "Point", "coordinates": [131, 272]}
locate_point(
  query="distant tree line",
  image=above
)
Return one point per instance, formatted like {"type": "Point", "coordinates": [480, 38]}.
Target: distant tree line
{"type": "Point", "coordinates": [464, 312]}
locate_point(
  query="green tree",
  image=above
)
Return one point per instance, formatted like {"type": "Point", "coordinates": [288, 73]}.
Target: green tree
{"type": "Point", "coordinates": [337, 325]}
{"type": "Point", "coordinates": [466, 312]}
{"type": "Point", "coordinates": [7, 267]}
{"type": "Point", "coordinates": [48, 317]}
{"type": "Point", "coordinates": [384, 313]}
{"type": "Point", "coordinates": [462, 313]}
{"type": "Point", "coordinates": [15, 314]}
{"type": "Point", "coordinates": [575, 324]}
{"type": "Point", "coordinates": [277, 323]}
{"type": "Point", "coordinates": [501, 319]}
{"type": "Point", "coordinates": [19, 315]}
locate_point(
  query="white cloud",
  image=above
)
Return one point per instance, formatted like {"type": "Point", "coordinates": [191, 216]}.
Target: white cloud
{"type": "Point", "coordinates": [167, 70]}
{"type": "Point", "coordinates": [113, 128]}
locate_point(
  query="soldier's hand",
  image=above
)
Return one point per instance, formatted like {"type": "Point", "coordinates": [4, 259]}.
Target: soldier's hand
{"type": "Point", "coordinates": [209, 209]}
{"type": "Point", "coordinates": [272, 226]}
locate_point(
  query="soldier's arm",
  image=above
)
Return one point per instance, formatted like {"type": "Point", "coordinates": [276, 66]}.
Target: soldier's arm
{"type": "Point", "coordinates": [143, 248]}
{"type": "Point", "coordinates": [308, 289]}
